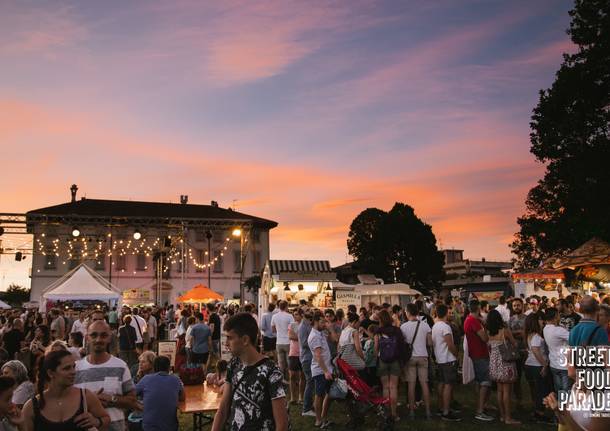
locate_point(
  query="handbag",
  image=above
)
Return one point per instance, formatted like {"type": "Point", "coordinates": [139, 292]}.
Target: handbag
{"type": "Point", "coordinates": [508, 352]}
{"type": "Point", "coordinates": [338, 389]}
{"type": "Point", "coordinates": [349, 354]}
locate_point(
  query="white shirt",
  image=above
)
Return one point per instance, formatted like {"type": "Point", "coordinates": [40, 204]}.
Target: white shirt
{"type": "Point", "coordinates": [441, 350]}
{"type": "Point", "coordinates": [281, 321]}
{"type": "Point", "coordinates": [503, 310]}
{"type": "Point", "coordinates": [79, 326]}
{"type": "Point", "coordinates": [535, 341]}
{"type": "Point", "coordinates": [142, 326]}
{"type": "Point", "coordinates": [152, 326]}
{"type": "Point", "coordinates": [419, 344]}
{"type": "Point", "coordinates": [556, 338]}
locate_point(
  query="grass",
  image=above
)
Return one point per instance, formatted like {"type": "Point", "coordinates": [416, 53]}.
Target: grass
{"type": "Point", "coordinates": [465, 395]}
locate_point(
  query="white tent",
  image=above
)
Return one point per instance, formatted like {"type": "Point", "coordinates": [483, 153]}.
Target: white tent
{"type": "Point", "coordinates": [82, 283]}
{"type": "Point", "coordinates": [4, 305]}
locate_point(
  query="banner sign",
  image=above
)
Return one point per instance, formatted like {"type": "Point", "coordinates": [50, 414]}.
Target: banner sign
{"type": "Point", "coordinates": [343, 299]}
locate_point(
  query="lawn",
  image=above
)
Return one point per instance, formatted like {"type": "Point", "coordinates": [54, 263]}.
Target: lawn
{"type": "Point", "coordinates": [464, 395]}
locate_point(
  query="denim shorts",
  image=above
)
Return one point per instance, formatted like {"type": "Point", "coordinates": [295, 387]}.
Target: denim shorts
{"type": "Point", "coordinates": [481, 371]}
{"type": "Point", "coordinates": [322, 386]}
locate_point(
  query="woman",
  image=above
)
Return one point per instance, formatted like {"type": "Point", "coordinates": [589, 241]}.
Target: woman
{"type": "Point", "coordinates": [10, 416]}
{"type": "Point", "coordinates": [42, 339]}
{"type": "Point", "coordinates": [297, 378]}
{"type": "Point", "coordinates": [537, 365]}
{"type": "Point", "coordinates": [389, 349]}
{"type": "Point", "coordinates": [188, 339]}
{"type": "Point", "coordinates": [350, 346]}
{"type": "Point", "coordinates": [144, 366]}
{"type": "Point", "coordinates": [56, 346]}
{"type": "Point", "coordinates": [62, 407]}
{"type": "Point", "coordinates": [502, 372]}
{"type": "Point", "coordinates": [24, 389]}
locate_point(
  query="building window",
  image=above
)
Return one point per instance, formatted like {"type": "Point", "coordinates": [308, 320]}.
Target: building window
{"type": "Point", "coordinates": [141, 262]}
{"type": "Point", "coordinates": [199, 258]}
{"type": "Point", "coordinates": [237, 261]}
{"type": "Point", "coordinates": [256, 262]}
{"type": "Point", "coordinates": [50, 260]}
{"type": "Point", "coordinates": [121, 263]}
{"type": "Point", "coordinates": [218, 263]}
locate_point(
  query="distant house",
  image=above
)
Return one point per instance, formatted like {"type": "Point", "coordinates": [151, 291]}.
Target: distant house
{"type": "Point", "coordinates": [487, 279]}
{"type": "Point", "coordinates": [152, 251]}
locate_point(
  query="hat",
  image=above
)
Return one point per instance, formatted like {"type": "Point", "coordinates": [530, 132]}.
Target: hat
{"type": "Point", "coordinates": [534, 301]}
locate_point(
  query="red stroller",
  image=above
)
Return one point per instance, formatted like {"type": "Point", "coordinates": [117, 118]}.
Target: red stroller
{"type": "Point", "coordinates": [361, 399]}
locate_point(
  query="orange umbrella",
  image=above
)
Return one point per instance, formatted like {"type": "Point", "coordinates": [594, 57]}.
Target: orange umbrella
{"type": "Point", "coordinates": [200, 294]}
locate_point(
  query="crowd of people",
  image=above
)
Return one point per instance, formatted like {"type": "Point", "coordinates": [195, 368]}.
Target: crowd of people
{"type": "Point", "coordinates": [97, 368]}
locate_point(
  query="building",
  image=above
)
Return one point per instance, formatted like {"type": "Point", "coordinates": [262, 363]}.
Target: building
{"type": "Point", "coordinates": [486, 279]}
{"type": "Point", "coordinates": [151, 251]}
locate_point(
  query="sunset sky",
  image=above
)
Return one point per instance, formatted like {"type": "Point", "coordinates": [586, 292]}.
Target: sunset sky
{"type": "Point", "coordinates": [303, 112]}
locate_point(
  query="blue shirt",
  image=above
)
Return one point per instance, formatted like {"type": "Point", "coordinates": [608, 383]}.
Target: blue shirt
{"type": "Point", "coordinates": [160, 392]}
{"type": "Point", "coordinates": [580, 334]}
{"type": "Point", "coordinates": [266, 325]}
{"type": "Point", "coordinates": [200, 333]}
{"type": "Point", "coordinates": [303, 333]}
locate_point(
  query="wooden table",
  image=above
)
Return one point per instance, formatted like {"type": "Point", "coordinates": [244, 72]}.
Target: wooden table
{"type": "Point", "coordinates": [200, 399]}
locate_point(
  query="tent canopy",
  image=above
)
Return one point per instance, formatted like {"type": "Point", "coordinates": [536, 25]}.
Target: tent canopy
{"type": "Point", "coordinates": [4, 305]}
{"type": "Point", "coordinates": [379, 289]}
{"type": "Point", "coordinates": [82, 283]}
{"type": "Point", "coordinates": [200, 294]}
{"type": "Point", "coordinates": [593, 252]}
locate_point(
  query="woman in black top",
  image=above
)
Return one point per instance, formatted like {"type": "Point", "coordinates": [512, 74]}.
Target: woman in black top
{"type": "Point", "coordinates": [62, 407]}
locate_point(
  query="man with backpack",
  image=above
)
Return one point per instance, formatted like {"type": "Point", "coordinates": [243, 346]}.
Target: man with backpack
{"type": "Point", "coordinates": [253, 396]}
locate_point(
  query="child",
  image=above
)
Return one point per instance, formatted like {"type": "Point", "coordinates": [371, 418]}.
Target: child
{"type": "Point", "coordinates": [370, 360]}
{"type": "Point", "coordinates": [218, 378]}
{"type": "Point", "coordinates": [75, 344]}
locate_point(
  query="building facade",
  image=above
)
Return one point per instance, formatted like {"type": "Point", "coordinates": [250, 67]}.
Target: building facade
{"type": "Point", "coordinates": [152, 251]}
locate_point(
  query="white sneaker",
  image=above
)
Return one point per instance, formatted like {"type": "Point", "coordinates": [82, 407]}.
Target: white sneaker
{"type": "Point", "coordinates": [484, 417]}
{"type": "Point", "coordinates": [309, 413]}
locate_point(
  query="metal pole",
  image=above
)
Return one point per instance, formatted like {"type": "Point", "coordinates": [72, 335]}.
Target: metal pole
{"type": "Point", "coordinates": [110, 262]}
{"type": "Point", "coordinates": [208, 235]}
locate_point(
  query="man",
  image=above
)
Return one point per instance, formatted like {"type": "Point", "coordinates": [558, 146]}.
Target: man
{"type": "Point", "coordinates": [321, 369]}
{"type": "Point", "coordinates": [106, 375]}
{"type": "Point", "coordinates": [587, 332]}
{"type": "Point", "coordinates": [446, 354]}
{"type": "Point", "coordinates": [113, 319]}
{"type": "Point", "coordinates": [477, 338]}
{"type": "Point", "coordinates": [332, 331]}
{"type": "Point", "coordinates": [603, 318]}
{"type": "Point", "coordinates": [533, 306]}
{"type": "Point", "coordinates": [253, 396]}
{"type": "Point", "coordinates": [151, 328]}
{"type": "Point", "coordinates": [269, 341]}
{"type": "Point", "coordinates": [279, 325]}
{"type": "Point", "coordinates": [170, 316]}
{"type": "Point", "coordinates": [503, 309]}
{"type": "Point", "coordinates": [11, 340]}
{"type": "Point", "coordinates": [139, 324]}
{"type": "Point", "coordinates": [201, 341]}
{"type": "Point", "coordinates": [80, 325]}
{"type": "Point", "coordinates": [58, 325]}
{"type": "Point", "coordinates": [305, 356]}
{"type": "Point", "coordinates": [568, 317]}
{"type": "Point", "coordinates": [214, 324]}
{"type": "Point", "coordinates": [161, 392]}
{"type": "Point", "coordinates": [556, 339]}
{"type": "Point", "coordinates": [418, 335]}
{"type": "Point", "coordinates": [516, 325]}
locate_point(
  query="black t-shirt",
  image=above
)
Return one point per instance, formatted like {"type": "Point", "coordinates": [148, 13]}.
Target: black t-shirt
{"type": "Point", "coordinates": [251, 407]}
{"type": "Point", "coordinates": [216, 321]}
{"type": "Point", "coordinates": [12, 342]}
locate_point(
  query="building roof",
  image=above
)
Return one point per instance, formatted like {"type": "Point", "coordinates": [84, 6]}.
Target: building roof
{"type": "Point", "coordinates": [157, 210]}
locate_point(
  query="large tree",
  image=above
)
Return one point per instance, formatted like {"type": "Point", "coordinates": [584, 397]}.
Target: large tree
{"type": "Point", "coordinates": [15, 295]}
{"type": "Point", "coordinates": [396, 245]}
{"type": "Point", "coordinates": [571, 137]}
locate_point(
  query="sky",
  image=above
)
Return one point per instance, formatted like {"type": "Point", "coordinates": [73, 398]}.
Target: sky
{"type": "Point", "coordinates": [303, 112]}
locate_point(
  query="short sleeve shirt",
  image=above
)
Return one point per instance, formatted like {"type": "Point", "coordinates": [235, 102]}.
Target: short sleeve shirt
{"type": "Point", "coordinates": [477, 348]}
{"type": "Point", "coordinates": [200, 333]}
{"type": "Point", "coordinates": [419, 343]}
{"type": "Point", "coordinates": [303, 334]}
{"type": "Point", "coordinates": [160, 392]}
{"type": "Point", "coordinates": [318, 339]}
{"type": "Point", "coordinates": [580, 334]}
{"type": "Point", "coordinates": [535, 341]}
{"type": "Point", "coordinates": [441, 350]}
{"type": "Point", "coordinates": [254, 388]}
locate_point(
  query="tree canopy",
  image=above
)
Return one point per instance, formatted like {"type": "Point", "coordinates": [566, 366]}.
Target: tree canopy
{"type": "Point", "coordinates": [571, 136]}
{"type": "Point", "coordinates": [396, 245]}
{"type": "Point", "coordinates": [15, 295]}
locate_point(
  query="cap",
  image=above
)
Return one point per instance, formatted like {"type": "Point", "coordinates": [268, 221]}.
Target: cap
{"type": "Point", "coordinates": [533, 301]}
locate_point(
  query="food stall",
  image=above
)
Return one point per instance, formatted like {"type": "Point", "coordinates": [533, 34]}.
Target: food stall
{"type": "Point", "coordinates": [541, 282]}
{"type": "Point", "coordinates": [362, 294]}
{"type": "Point", "coordinates": [296, 280]}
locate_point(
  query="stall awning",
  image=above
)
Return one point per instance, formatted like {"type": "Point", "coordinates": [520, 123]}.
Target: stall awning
{"type": "Point", "coordinates": [200, 294]}
{"type": "Point", "coordinates": [301, 270]}
{"type": "Point", "coordinates": [537, 274]}
{"type": "Point", "coordinates": [593, 252]}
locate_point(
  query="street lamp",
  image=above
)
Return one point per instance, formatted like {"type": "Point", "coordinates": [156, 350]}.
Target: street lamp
{"type": "Point", "coordinates": [237, 232]}
{"type": "Point", "coordinates": [137, 235]}
{"type": "Point", "coordinates": [75, 232]}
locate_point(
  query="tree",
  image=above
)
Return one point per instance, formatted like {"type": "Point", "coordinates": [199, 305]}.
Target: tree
{"type": "Point", "coordinates": [396, 245]}
{"type": "Point", "coordinates": [571, 137]}
{"type": "Point", "coordinates": [15, 295]}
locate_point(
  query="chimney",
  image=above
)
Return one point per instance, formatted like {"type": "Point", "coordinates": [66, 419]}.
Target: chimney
{"type": "Point", "coordinates": [214, 204]}
{"type": "Point", "coordinates": [73, 191]}
{"type": "Point", "coordinates": [184, 199]}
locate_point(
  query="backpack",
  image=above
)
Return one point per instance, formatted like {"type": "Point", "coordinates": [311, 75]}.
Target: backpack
{"type": "Point", "coordinates": [388, 348]}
